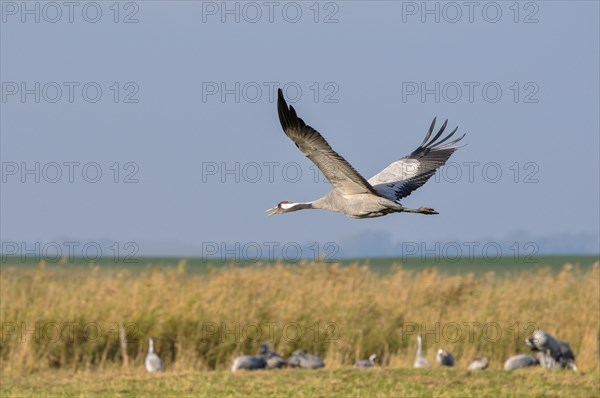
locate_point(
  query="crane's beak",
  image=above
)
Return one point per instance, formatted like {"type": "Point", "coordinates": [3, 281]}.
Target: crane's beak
{"type": "Point", "coordinates": [272, 210]}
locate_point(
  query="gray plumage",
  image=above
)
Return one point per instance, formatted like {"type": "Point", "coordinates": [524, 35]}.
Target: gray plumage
{"type": "Point", "coordinates": [352, 194]}
{"type": "Point", "coordinates": [479, 363]}
{"type": "Point", "coordinates": [366, 363]}
{"type": "Point", "coordinates": [444, 358]}
{"type": "Point", "coordinates": [567, 358]}
{"type": "Point", "coordinates": [520, 361]}
{"type": "Point", "coordinates": [152, 361]}
{"type": "Point", "coordinates": [548, 362]}
{"type": "Point", "coordinates": [274, 360]}
{"type": "Point", "coordinates": [420, 361]}
{"type": "Point", "coordinates": [541, 341]}
{"type": "Point", "coordinates": [249, 362]}
{"type": "Point", "coordinates": [554, 354]}
{"type": "Point", "coordinates": [300, 359]}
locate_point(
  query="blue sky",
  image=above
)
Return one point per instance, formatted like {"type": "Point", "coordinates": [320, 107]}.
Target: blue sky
{"type": "Point", "coordinates": [173, 105]}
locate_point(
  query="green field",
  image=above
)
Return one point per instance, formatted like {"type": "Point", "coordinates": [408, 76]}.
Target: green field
{"type": "Point", "coordinates": [303, 383]}
{"type": "Point", "coordinates": [476, 265]}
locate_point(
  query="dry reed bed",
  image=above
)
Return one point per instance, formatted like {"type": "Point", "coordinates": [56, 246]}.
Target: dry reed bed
{"type": "Point", "coordinates": [68, 317]}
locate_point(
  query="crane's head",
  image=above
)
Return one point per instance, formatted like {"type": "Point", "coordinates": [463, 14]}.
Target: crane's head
{"type": "Point", "coordinates": [285, 207]}
{"type": "Point", "coordinates": [264, 348]}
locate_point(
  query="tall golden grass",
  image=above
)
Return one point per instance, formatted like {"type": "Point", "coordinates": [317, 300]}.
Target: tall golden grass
{"type": "Point", "coordinates": [68, 317]}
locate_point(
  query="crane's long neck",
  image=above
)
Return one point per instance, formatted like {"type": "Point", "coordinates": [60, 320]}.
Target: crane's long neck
{"type": "Point", "coordinates": [324, 202]}
{"type": "Point", "coordinates": [298, 206]}
{"type": "Point", "coordinates": [419, 346]}
{"type": "Point", "coordinates": [151, 345]}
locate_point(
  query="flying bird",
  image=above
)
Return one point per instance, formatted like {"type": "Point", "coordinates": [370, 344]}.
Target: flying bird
{"type": "Point", "coordinates": [352, 194]}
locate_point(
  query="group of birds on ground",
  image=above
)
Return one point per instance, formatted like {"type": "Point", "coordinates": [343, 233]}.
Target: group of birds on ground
{"type": "Point", "coordinates": [553, 354]}
{"type": "Point", "coordinates": [445, 358]}
{"type": "Point", "coordinates": [267, 359]}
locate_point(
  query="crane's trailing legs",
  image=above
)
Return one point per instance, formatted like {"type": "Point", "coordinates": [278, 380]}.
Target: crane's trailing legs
{"type": "Point", "coordinates": [422, 210]}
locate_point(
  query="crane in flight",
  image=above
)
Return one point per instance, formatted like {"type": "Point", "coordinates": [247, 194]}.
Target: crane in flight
{"type": "Point", "coordinates": [352, 194]}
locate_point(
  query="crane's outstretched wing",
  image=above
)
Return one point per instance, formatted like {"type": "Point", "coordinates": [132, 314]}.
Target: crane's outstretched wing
{"type": "Point", "coordinates": [400, 178]}
{"type": "Point", "coordinates": [342, 176]}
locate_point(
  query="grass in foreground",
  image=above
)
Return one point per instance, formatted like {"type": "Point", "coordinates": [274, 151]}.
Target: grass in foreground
{"type": "Point", "coordinates": [67, 318]}
{"type": "Point", "coordinates": [378, 382]}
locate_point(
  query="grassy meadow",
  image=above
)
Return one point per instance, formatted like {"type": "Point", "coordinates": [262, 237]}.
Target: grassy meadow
{"type": "Point", "coordinates": [82, 330]}
{"type": "Point", "coordinates": [344, 382]}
